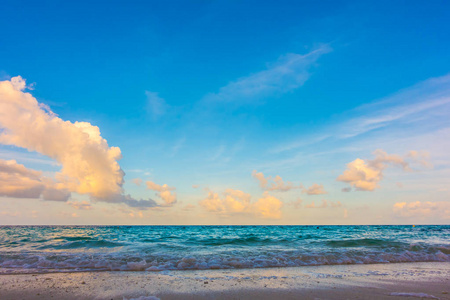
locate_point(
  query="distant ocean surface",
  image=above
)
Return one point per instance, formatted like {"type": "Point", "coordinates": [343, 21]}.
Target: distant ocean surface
{"type": "Point", "coordinates": [42, 249]}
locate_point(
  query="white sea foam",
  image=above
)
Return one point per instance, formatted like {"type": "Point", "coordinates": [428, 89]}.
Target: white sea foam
{"type": "Point", "coordinates": [417, 295]}
{"type": "Point", "coordinates": [143, 298]}
{"type": "Point", "coordinates": [26, 263]}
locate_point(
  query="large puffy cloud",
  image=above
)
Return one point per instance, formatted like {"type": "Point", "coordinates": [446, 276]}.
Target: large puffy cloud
{"type": "Point", "coordinates": [239, 202]}
{"type": "Point", "coordinates": [88, 164]}
{"type": "Point", "coordinates": [364, 175]}
{"type": "Point", "coordinates": [418, 209]}
{"type": "Point", "coordinates": [164, 192]}
{"type": "Point", "coordinates": [274, 183]}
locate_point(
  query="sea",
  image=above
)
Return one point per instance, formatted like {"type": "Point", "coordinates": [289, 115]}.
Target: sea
{"type": "Point", "coordinates": [49, 249]}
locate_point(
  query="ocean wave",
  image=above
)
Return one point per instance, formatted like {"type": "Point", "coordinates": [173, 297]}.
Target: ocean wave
{"type": "Point", "coordinates": [89, 244]}
{"type": "Point", "coordinates": [158, 248]}
{"type": "Point", "coordinates": [364, 242]}
{"type": "Point", "coordinates": [26, 263]}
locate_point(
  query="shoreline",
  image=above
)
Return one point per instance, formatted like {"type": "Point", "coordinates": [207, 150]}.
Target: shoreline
{"type": "Point", "coordinates": [372, 281]}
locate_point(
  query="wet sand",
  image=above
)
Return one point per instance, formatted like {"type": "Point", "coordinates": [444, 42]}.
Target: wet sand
{"type": "Point", "coordinates": [380, 281]}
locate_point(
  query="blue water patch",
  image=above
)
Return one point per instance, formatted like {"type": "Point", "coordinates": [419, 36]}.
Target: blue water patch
{"type": "Point", "coordinates": [157, 248]}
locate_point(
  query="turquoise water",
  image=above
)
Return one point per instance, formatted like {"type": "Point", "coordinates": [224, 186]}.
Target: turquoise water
{"type": "Point", "coordinates": [26, 249]}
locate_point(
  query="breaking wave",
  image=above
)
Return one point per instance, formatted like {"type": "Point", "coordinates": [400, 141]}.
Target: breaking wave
{"type": "Point", "coordinates": [157, 248]}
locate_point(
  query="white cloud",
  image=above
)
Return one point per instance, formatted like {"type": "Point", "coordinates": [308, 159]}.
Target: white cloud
{"type": "Point", "coordinates": [238, 202]}
{"type": "Point", "coordinates": [289, 72]}
{"type": "Point", "coordinates": [132, 214]}
{"type": "Point", "coordinates": [268, 207]}
{"type": "Point", "coordinates": [325, 204]}
{"type": "Point", "coordinates": [89, 165]}
{"type": "Point", "coordinates": [188, 207]}
{"type": "Point", "coordinates": [274, 183]}
{"type": "Point", "coordinates": [364, 175]}
{"type": "Point", "coordinates": [164, 192]}
{"type": "Point", "coordinates": [156, 106]}
{"type": "Point", "coordinates": [17, 181]}
{"type": "Point", "coordinates": [422, 107]}
{"type": "Point", "coordinates": [10, 214]}
{"type": "Point", "coordinates": [137, 181]}
{"type": "Point", "coordinates": [419, 209]}
{"type": "Point", "coordinates": [315, 189]}
{"type": "Point", "coordinates": [313, 205]}
{"type": "Point", "coordinates": [82, 205]}
{"type": "Point", "coordinates": [297, 203]}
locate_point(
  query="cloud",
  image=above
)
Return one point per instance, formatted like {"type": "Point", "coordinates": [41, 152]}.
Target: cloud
{"type": "Point", "coordinates": [238, 202]}
{"type": "Point", "coordinates": [325, 204]}
{"type": "Point", "coordinates": [17, 181]}
{"type": "Point", "coordinates": [88, 165]}
{"type": "Point", "coordinates": [137, 181]}
{"type": "Point", "coordinates": [234, 201]}
{"type": "Point", "coordinates": [418, 209]}
{"type": "Point", "coordinates": [156, 106]}
{"type": "Point", "coordinates": [132, 202]}
{"type": "Point", "coordinates": [336, 204]}
{"type": "Point", "coordinates": [421, 157]}
{"type": "Point", "coordinates": [188, 207]}
{"type": "Point", "coordinates": [364, 175]}
{"type": "Point", "coordinates": [313, 205]}
{"type": "Point", "coordinates": [131, 214]}
{"type": "Point", "coordinates": [178, 145]}
{"type": "Point", "coordinates": [315, 189]}
{"type": "Point", "coordinates": [297, 203]}
{"type": "Point", "coordinates": [68, 215]}
{"type": "Point", "coordinates": [10, 214]}
{"type": "Point", "coordinates": [268, 207]}
{"type": "Point", "coordinates": [274, 184]}
{"type": "Point", "coordinates": [421, 108]}
{"type": "Point", "coordinates": [288, 73]}
{"type": "Point", "coordinates": [164, 192]}
{"type": "Point", "coordinates": [82, 205]}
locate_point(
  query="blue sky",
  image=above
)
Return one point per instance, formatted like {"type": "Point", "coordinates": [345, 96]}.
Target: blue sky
{"type": "Point", "coordinates": [205, 92]}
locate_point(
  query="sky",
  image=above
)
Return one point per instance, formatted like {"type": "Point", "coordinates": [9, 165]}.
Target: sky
{"type": "Point", "coordinates": [224, 112]}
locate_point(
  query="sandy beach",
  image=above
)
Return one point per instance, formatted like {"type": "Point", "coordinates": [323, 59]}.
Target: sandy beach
{"type": "Point", "coordinates": [377, 281]}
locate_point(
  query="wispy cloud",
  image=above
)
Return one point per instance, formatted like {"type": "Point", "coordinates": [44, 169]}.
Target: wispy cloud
{"type": "Point", "coordinates": [156, 106]}
{"type": "Point", "coordinates": [137, 181]}
{"type": "Point", "coordinates": [325, 204]}
{"type": "Point", "coordinates": [178, 145]}
{"type": "Point", "coordinates": [288, 73]}
{"type": "Point", "coordinates": [424, 105]}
